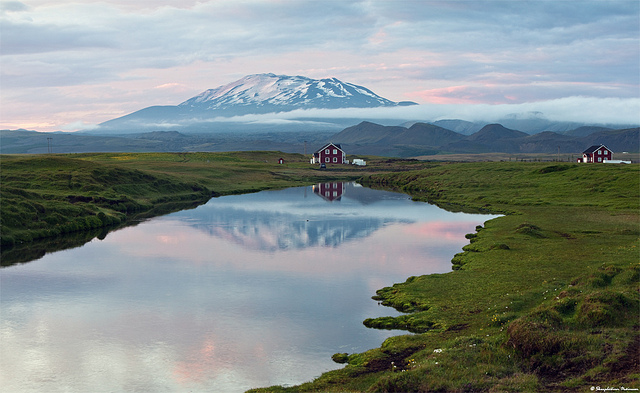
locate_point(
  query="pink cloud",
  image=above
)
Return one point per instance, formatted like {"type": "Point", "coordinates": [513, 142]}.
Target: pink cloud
{"type": "Point", "coordinates": [463, 94]}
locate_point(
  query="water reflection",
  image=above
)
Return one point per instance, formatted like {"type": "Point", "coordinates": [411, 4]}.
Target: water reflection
{"type": "Point", "coordinates": [329, 191]}
{"type": "Point", "coordinates": [245, 291]}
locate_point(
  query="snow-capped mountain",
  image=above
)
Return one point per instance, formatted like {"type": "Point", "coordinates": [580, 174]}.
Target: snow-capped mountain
{"type": "Point", "coordinates": [253, 94]}
{"type": "Point", "coordinates": [264, 93]}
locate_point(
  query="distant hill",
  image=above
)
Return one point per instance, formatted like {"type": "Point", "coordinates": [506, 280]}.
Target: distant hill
{"type": "Point", "coordinates": [459, 126]}
{"type": "Point", "coordinates": [493, 132]}
{"type": "Point", "coordinates": [369, 133]}
{"type": "Point", "coordinates": [585, 130]}
{"type": "Point", "coordinates": [616, 140]}
{"type": "Point", "coordinates": [418, 134]}
{"type": "Point", "coordinates": [423, 139]}
{"type": "Point", "coordinates": [364, 138]}
{"type": "Point", "coordinates": [528, 125]}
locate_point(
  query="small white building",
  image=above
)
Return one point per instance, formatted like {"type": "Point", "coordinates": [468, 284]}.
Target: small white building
{"type": "Point", "coordinates": [616, 162]}
{"type": "Point", "coordinates": [358, 161]}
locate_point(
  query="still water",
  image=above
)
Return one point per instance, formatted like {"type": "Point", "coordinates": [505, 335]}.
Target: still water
{"type": "Point", "coordinates": [246, 291]}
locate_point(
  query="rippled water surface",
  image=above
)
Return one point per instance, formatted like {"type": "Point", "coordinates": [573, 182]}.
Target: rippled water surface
{"type": "Point", "coordinates": [245, 291]}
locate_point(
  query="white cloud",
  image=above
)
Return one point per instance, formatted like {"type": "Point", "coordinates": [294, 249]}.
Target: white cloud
{"type": "Point", "coordinates": [488, 52]}
{"type": "Point", "coordinates": [79, 125]}
{"type": "Point", "coordinates": [572, 109]}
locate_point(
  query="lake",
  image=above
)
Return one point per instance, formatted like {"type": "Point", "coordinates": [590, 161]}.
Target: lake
{"type": "Point", "coordinates": [245, 291]}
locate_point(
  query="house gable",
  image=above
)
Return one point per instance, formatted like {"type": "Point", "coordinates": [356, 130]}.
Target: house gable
{"type": "Point", "coordinates": [330, 153]}
{"type": "Point", "coordinates": [596, 153]}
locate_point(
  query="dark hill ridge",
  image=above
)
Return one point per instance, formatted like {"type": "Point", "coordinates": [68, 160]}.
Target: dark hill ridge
{"type": "Point", "coordinates": [418, 134]}
{"type": "Point", "coordinates": [616, 140]}
{"type": "Point", "coordinates": [585, 130]}
{"type": "Point", "coordinates": [494, 132]}
{"type": "Point", "coordinates": [369, 133]}
{"type": "Point", "coordinates": [364, 138]}
{"type": "Point", "coordinates": [422, 138]}
{"type": "Point", "coordinates": [431, 135]}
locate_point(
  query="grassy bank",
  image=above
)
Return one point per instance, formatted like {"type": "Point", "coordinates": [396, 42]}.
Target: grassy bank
{"type": "Point", "coordinates": [544, 298]}
{"type": "Point", "coordinates": [46, 196]}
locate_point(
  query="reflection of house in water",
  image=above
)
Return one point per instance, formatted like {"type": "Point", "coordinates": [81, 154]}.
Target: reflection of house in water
{"type": "Point", "coordinates": [330, 191]}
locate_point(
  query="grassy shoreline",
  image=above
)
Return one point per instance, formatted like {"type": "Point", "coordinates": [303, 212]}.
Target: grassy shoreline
{"type": "Point", "coordinates": [544, 298]}
{"type": "Point", "coordinates": [46, 198]}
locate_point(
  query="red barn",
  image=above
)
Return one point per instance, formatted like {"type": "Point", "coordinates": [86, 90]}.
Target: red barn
{"type": "Point", "coordinates": [596, 153]}
{"type": "Point", "coordinates": [329, 154]}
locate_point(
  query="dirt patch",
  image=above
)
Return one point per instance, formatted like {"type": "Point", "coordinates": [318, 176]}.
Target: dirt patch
{"type": "Point", "coordinates": [391, 362]}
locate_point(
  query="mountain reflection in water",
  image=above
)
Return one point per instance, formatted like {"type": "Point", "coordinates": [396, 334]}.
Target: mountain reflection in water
{"type": "Point", "coordinates": [285, 223]}
{"type": "Point", "coordinates": [244, 291]}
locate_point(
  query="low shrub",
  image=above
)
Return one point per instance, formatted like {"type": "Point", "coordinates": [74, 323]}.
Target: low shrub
{"type": "Point", "coordinates": [530, 230]}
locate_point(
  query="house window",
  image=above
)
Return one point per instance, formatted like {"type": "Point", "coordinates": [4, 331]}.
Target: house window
{"type": "Point", "coordinates": [335, 193]}
{"type": "Point", "coordinates": [326, 151]}
{"type": "Point", "coordinates": [335, 159]}
{"type": "Point", "coordinates": [599, 159]}
{"type": "Point", "coordinates": [335, 151]}
{"type": "Point", "coordinates": [326, 159]}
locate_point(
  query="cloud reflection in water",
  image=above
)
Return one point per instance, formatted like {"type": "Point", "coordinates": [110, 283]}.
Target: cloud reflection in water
{"type": "Point", "coordinates": [245, 291]}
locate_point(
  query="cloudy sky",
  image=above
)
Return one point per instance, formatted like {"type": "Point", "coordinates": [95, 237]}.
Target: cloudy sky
{"type": "Point", "coordinates": [71, 64]}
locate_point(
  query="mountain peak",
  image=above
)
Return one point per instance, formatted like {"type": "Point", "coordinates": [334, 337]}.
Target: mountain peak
{"type": "Point", "coordinates": [252, 94]}
{"type": "Point", "coordinates": [492, 132]}
{"type": "Point", "coordinates": [264, 93]}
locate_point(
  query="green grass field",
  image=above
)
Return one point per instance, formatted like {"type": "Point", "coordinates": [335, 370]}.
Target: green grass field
{"type": "Point", "coordinates": [543, 298]}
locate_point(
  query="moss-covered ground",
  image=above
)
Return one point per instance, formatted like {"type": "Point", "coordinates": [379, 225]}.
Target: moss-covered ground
{"type": "Point", "coordinates": [544, 298]}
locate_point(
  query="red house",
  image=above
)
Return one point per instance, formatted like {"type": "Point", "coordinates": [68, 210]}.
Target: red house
{"type": "Point", "coordinates": [596, 153]}
{"type": "Point", "coordinates": [329, 154]}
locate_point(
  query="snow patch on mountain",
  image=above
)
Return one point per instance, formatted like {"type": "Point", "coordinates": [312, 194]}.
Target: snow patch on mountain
{"type": "Point", "coordinates": [285, 93]}
{"type": "Point", "coordinates": [265, 95]}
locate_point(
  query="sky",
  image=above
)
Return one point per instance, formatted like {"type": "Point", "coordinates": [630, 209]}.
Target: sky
{"type": "Point", "coordinates": [69, 65]}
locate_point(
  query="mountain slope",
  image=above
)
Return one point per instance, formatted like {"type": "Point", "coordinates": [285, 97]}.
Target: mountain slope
{"type": "Point", "coordinates": [491, 138]}
{"type": "Point", "coordinates": [368, 133]}
{"type": "Point", "coordinates": [418, 134]}
{"type": "Point", "coordinates": [429, 135]}
{"type": "Point", "coordinates": [266, 93]}
{"type": "Point", "coordinates": [617, 140]}
{"type": "Point", "coordinates": [253, 94]}
{"type": "Point", "coordinates": [493, 132]}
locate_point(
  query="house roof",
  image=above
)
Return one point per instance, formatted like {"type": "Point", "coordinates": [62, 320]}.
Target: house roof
{"type": "Point", "coordinates": [594, 148]}
{"type": "Point", "coordinates": [327, 145]}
